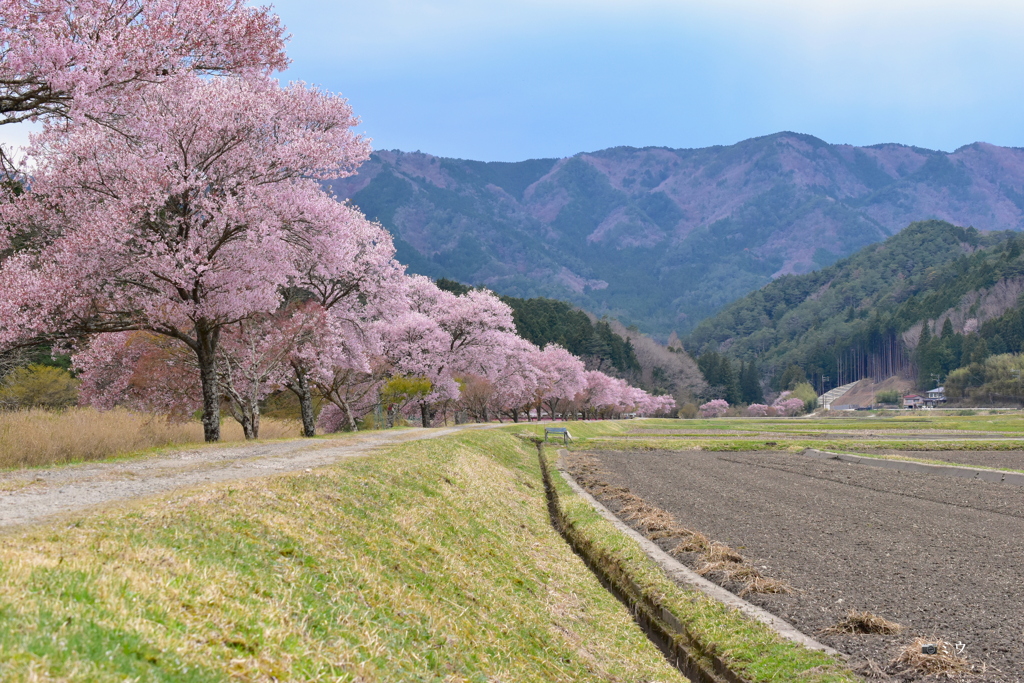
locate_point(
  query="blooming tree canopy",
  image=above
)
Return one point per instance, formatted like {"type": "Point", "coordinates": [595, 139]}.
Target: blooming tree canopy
{"type": "Point", "coordinates": [715, 408]}
{"type": "Point", "coordinates": [563, 375]}
{"type": "Point", "coordinates": [192, 217]}
{"type": "Point", "coordinates": [59, 57]}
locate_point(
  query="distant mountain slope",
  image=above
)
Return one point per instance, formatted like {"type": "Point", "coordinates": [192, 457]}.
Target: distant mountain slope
{"type": "Point", "coordinates": [864, 316]}
{"type": "Point", "coordinates": [663, 238]}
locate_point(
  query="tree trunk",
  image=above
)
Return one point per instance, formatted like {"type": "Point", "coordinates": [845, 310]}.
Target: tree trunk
{"type": "Point", "coordinates": [245, 420]}
{"type": "Point", "coordinates": [254, 420]}
{"type": "Point", "coordinates": [206, 353]}
{"type": "Point", "coordinates": [300, 387]}
{"type": "Point", "coordinates": [246, 413]}
{"type": "Point", "coordinates": [352, 426]}
{"type": "Point", "coordinates": [425, 413]}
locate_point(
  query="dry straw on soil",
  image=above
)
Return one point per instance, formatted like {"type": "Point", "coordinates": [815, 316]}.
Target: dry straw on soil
{"type": "Point", "coordinates": [714, 559]}
{"type": "Point", "coordinates": [943, 664]}
{"type": "Point", "coordinates": [865, 622]}
{"type": "Point", "coordinates": [33, 438]}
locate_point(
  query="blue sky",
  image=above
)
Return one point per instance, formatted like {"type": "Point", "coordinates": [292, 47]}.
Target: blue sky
{"type": "Point", "coordinates": [509, 80]}
{"type": "Point", "coordinates": [505, 80]}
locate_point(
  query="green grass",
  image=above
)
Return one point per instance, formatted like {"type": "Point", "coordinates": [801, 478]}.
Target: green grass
{"type": "Point", "coordinates": [434, 561]}
{"type": "Point", "coordinates": [753, 434]}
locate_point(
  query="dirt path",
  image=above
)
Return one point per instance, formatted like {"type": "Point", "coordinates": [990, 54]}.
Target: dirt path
{"type": "Point", "coordinates": [32, 496]}
{"type": "Point", "coordinates": [944, 557]}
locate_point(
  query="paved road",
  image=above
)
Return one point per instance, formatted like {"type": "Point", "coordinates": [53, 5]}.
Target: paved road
{"type": "Point", "coordinates": [33, 496]}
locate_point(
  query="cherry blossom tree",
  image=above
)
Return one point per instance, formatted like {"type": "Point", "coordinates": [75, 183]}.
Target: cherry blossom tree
{"type": "Point", "coordinates": [188, 220]}
{"type": "Point", "coordinates": [649, 405]}
{"type": "Point", "coordinates": [254, 359]}
{"type": "Point", "coordinates": [476, 396]}
{"type": "Point", "coordinates": [789, 406]}
{"type": "Point", "coordinates": [472, 331]}
{"type": "Point", "coordinates": [68, 57]}
{"type": "Point", "coordinates": [138, 370]}
{"type": "Point", "coordinates": [515, 383]}
{"type": "Point", "coordinates": [351, 273]}
{"type": "Point", "coordinates": [758, 410]}
{"type": "Point", "coordinates": [600, 390]}
{"type": "Point", "coordinates": [563, 375]}
{"type": "Point", "coordinates": [715, 408]}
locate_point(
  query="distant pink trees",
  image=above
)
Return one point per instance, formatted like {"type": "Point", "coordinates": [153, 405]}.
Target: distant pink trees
{"type": "Point", "coordinates": [562, 376]}
{"type": "Point", "coordinates": [759, 410]}
{"type": "Point", "coordinates": [789, 406]}
{"type": "Point", "coordinates": [715, 408]}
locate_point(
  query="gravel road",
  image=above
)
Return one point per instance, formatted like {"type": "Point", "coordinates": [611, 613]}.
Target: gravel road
{"type": "Point", "coordinates": [943, 557]}
{"type": "Point", "coordinates": [37, 495]}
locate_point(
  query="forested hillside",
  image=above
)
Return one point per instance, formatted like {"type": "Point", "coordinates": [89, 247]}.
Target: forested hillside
{"type": "Point", "coordinates": [663, 238]}
{"type": "Point", "coordinates": [923, 303]}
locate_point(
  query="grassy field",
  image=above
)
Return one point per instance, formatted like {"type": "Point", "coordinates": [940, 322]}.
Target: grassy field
{"type": "Point", "coordinates": [434, 561]}
{"type": "Point", "coordinates": [35, 438]}
{"type": "Point", "coordinates": [912, 432]}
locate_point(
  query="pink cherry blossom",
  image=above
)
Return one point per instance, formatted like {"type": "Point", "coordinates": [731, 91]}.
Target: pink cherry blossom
{"type": "Point", "coordinates": [193, 217]}
{"type": "Point", "coordinates": [81, 57]}
{"type": "Point", "coordinates": [715, 408]}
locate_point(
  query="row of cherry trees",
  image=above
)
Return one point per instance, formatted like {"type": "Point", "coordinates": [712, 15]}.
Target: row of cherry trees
{"type": "Point", "coordinates": [169, 227]}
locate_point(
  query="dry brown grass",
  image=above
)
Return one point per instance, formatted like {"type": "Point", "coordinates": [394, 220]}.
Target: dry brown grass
{"type": "Point", "coordinates": [944, 664]}
{"type": "Point", "coordinates": [764, 584]}
{"type": "Point", "coordinates": [33, 438]}
{"type": "Point", "coordinates": [719, 552]}
{"type": "Point", "coordinates": [865, 622]}
{"type": "Point", "coordinates": [696, 542]}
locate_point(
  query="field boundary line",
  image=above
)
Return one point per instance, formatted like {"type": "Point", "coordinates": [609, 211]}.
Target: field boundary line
{"type": "Point", "coordinates": [680, 573]}
{"type": "Point", "coordinates": [951, 471]}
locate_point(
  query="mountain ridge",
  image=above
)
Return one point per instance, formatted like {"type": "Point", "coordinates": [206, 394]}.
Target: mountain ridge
{"type": "Point", "coordinates": [663, 238]}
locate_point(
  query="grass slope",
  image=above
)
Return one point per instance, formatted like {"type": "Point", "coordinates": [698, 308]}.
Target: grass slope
{"type": "Point", "coordinates": [433, 561]}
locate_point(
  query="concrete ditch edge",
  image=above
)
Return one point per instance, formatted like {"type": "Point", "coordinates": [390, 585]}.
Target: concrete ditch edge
{"type": "Point", "coordinates": [955, 471]}
{"type": "Point", "coordinates": [696, 662]}
{"type": "Point", "coordinates": [680, 573]}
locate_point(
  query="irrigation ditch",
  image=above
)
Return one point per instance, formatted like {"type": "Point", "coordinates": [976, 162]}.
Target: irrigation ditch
{"type": "Point", "coordinates": [695, 656]}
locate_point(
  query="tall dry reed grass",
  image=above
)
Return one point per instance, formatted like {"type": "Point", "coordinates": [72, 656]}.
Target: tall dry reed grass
{"type": "Point", "coordinates": [31, 438]}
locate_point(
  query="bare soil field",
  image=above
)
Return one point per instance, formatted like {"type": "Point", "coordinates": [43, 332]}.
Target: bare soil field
{"type": "Point", "coordinates": [944, 558]}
